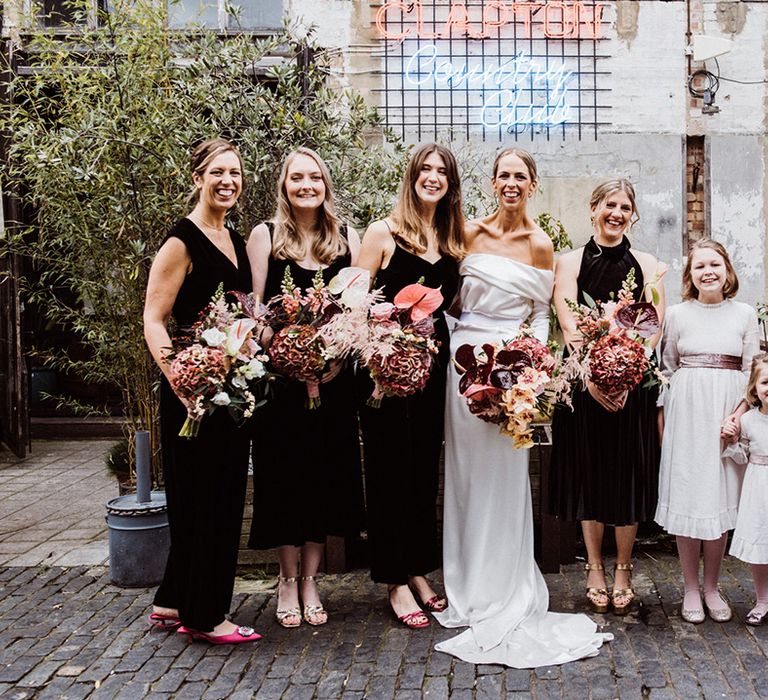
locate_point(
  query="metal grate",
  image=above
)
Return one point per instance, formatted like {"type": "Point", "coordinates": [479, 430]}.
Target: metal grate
{"type": "Point", "coordinates": [518, 83]}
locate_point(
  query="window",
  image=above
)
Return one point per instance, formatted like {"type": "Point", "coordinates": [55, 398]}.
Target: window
{"type": "Point", "coordinates": [224, 15]}
{"type": "Point", "coordinates": [215, 14]}
{"type": "Point", "coordinates": [55, 13]}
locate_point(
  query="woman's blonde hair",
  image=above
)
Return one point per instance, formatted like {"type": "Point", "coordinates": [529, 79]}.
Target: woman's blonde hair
{"type": "Point", "coordinates": [202, 156]}
{"type": "Point", "coordinates": [758, 362]}
{"type": "Point", "coordinates": [449, 219]}
{"type": "Point", "coordinates": [731, 286]}
{"type": "Point", "coordinates": [287, 242]}
{"type": "Point", "coordinates": [607, 188]}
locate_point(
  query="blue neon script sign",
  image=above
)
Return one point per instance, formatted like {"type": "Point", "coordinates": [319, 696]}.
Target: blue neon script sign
{"type": "Point", "coordinates": [521, 92]}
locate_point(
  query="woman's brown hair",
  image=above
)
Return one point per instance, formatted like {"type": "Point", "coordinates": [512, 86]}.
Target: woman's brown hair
{"type": "Point", "coordinates": [287, 242]}
{"type": "Point", "coordinates": [202, 156]}
{"type": "Point", "coordinates": [731, 286]}
{"type": "Point", "coordinates": [758, 362]}
{"type": "Point", "coordinates": [523, 155]}
{"type": "Point", "coordinates": [449, 219]}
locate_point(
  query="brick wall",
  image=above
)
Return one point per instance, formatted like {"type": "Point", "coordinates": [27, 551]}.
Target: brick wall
{"type": "Point", "coordinates": [696, 177]}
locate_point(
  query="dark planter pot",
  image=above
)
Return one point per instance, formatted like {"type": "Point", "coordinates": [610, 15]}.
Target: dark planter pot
{"type": "Point", "coordinates": [139, 537]}
{"type": "Point", "coordinates": [139, 540]}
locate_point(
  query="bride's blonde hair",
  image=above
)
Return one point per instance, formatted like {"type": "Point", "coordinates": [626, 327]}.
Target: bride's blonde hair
{"type": "Point", "coordinates": [287, 243]}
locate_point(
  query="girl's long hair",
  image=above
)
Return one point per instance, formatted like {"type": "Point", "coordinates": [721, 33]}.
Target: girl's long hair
{"type": "Point", "coordinates": [449, 219]}
{"type": "Point", "coordinates": [287, 242]}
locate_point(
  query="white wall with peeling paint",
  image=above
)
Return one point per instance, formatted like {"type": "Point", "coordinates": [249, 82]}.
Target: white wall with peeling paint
{"type": "Point", "coordinates": [646, 71]}
{"type": "Point", "coordinates": [738, 216]}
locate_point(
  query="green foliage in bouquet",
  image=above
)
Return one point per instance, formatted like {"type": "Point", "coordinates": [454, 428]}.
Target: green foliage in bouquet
{"type": "Point", "coordinates": [100, 130]}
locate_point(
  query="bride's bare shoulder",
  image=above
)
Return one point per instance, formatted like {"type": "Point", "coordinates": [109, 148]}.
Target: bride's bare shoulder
{"type": "Point", "coordinates": [472, 228]}
{"type": "Point", "coordinates": [542, 250]}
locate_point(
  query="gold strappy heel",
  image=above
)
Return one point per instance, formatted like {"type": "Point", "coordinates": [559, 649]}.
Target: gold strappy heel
{"type": "Point", "coordinates": [283, 615]}
{"type": "Point", "coordinates": [628, 593]}
{"type": "Point", "coordinates": [594, 594]}
{"type": "Point", "coordinates": [312, 613]}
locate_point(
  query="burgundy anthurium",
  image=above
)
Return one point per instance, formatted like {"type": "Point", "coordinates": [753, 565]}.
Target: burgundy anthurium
{"type": "Point", "coordinates": [465, 358]}
{"type": "Point", "coordinates": [640, 317]}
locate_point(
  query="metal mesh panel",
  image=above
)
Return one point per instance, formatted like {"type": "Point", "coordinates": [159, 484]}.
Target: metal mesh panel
{"type": "Point", "coordinates": [503, 74]}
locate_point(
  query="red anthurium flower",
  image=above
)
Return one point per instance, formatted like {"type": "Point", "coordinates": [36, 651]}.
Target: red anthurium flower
{"type": "Point", "coordinates": [421, 300]}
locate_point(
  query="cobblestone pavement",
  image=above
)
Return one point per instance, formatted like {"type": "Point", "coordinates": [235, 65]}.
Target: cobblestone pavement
{"type": "Point", "coordinates": [66, 632]}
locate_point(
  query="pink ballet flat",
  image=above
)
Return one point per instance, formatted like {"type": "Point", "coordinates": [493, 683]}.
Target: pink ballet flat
{"type": "Point", "coordinates": [239, 636]}
{"type": "Point", "coordinates": [163, 621]}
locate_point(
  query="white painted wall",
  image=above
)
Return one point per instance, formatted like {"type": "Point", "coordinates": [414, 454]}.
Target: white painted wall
{"type": "Point", "coordinates": [647, 71]}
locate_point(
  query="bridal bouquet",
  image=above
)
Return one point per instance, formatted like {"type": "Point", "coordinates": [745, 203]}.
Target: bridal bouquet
{"type": "Point", "coordinates": [508, 384]}
{"type": "Point", "coordinates": [400, 347]}
{"type": "Point", "coordinates": [614, 353]}
{"type": "Point", "coordinates": [318, 325]}
{"type": "Point", "coordinates": [220, 364]}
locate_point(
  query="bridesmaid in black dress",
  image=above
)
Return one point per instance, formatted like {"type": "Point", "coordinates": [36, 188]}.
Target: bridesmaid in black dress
{"type": "Point", "coordinates": [605, 454]}
{"type": "Point", "coordinates": [306, 461]}
{"type": "Point", "coordinates": [420, 241]}
{"type": "Point", "coordinates": [205, 477]}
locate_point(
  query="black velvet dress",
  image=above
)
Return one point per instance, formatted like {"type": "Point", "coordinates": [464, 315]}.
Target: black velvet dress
{"type": "Point", "coordinates": [605, 466]}
{"type": "Point", "coordinates": [402, 440]}
{"type": "Point", "coordinates": [205, 476]}
{"type": "Point", "coordinates": [306, 461]}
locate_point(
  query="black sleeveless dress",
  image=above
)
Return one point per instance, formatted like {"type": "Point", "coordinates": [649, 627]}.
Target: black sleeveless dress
{"type": "Point", "coordinates": [402, 440]}
{"type": "Point", "coordinates": [605, 465]}
{"type": "Point", "coordinates": [206, 476]}
{"type": "Point", "coordinates": [307, 470]}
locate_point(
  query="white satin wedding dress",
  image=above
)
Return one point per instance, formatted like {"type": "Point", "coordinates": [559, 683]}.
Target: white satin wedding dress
{"type": "Point", "coordinates": [492, 582]}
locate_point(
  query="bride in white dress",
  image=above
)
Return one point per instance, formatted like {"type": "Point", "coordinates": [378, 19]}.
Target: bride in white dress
{"type": "Point", "coordinates": [491, 579]}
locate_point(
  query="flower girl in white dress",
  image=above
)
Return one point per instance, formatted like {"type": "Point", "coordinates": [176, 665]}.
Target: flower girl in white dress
{"type": "Point", "coordinates": [708, 344]}
{"type": "Point", "coordinates": [750, 539]}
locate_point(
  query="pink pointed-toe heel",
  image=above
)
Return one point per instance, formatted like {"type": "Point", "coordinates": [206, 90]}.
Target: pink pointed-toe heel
{"type": "Point", "coordinates": [241, 635]}
{"type": "Point", "coordinates": [163, 621]}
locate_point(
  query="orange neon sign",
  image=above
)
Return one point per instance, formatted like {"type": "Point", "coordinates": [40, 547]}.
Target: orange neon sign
{"type": "Point", "coordinates": [561, 19]}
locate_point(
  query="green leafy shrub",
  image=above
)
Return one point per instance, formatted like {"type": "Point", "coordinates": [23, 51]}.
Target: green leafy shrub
{"type": "Point", "coordinates": [100, 131]}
